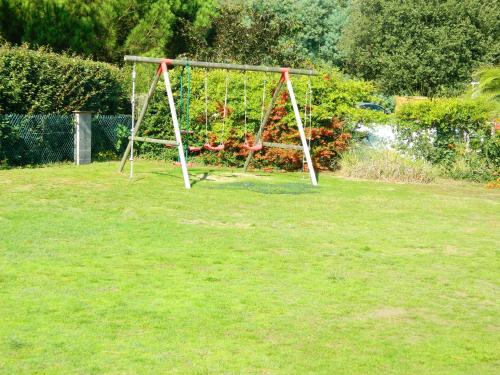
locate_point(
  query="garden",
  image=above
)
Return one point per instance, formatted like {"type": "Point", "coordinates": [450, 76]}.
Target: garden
{"type": "Point", "coordinates": [340, 207]}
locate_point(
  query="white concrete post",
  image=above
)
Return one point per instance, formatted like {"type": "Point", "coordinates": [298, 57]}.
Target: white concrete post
{"type": "Point", "coordinates": [82, 137]}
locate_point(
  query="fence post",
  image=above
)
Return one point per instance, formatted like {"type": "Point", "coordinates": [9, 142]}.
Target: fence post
{"type": "Point", "coordinates": [83, 137]}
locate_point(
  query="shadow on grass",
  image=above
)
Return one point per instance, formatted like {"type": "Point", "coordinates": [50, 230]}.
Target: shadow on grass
{"type": "Point", "coordinates": [194, 177]}
{"type": "Point", "coordinates": [203, 177]}
{"type": "Point", "coordinates": [263, 188]}
{"type": "Point", "coordinates": [257, 187]}
{"type": "Point", "coordinates": [168, 174]}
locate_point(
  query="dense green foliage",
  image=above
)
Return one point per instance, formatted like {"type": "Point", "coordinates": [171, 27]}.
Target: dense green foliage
{"type": "Point", "coordinates": [289, 32]}
{"type": "Point", "coordinates": [453, 133]}
{"type": "Point", "coordinates": [488, 88]}
{"type": "Point", "coordinates": [44, 82]}
{"type": "Point", "coordinates": [420, 46]}
{"type": "Point", "coordinates": [333, 98]}
{"type": "Point", "coordinates": [241, 30]}
{"type": "Point", "coordinates": [103, 29]}
{"type": "Point", "coordinates": [489, 82]}
{"type": "Point", "coordinates": [12, 149]}
{"type": "Point", "coordinates": [408, 47]}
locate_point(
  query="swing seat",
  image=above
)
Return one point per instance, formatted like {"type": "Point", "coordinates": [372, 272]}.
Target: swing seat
{"type": "Point", "coordinates": [209, 147]}
{"type": "Point", "coordinates": [178, 164]}
{"type": "Point", "coordinates": [194, 148]}
{"type": "Point", "coordinates": [258, 147]}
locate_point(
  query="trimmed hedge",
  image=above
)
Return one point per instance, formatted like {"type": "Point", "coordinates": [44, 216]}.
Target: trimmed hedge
{"type": "Point", "coordinates": [40, 81]}
{"type": "Point", "coordinates": [453, 133]}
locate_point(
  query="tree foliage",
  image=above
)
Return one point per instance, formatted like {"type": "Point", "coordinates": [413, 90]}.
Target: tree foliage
{"type": "Point", "coordinates": [420, 46]}
{"type": "Point", "coordinates": [289, 32]}
{"type": "Point", "coordinates": [407, 46]}
{"type": "Point", "coordinates": [488, 88]}
{"type": "Point", "coordinates": [103, 29]}
{"type": "Point", "coordinates": [454, 133]}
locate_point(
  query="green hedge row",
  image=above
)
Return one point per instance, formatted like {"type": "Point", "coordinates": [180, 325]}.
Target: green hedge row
{"type": "Point", "coordinates": [453, 133]}
{"type": "Point", "coordinates": [39, 81]}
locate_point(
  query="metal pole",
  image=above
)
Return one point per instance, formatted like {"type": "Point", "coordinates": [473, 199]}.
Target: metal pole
{"type": "Point", "coordinates": [177, 130]}
{"type": "Point", "coordinates": [211, 65]}
{"type": "Point", "coordinates": [303, 139]}
{"type": "Point", "coordinates": [77, 115]}
{"type": "Point", "coordinates": [141, 117]}
{"type": "Point", "coordinates": [264, 122]}
{"type": "Point", "coordinates": [133, 123]}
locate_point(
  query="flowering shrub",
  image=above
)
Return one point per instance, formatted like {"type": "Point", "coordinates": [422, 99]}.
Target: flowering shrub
{"type": "Point", "coordinates": [334, 98]}
{"type": "Point", "coordinates": [327, 141]}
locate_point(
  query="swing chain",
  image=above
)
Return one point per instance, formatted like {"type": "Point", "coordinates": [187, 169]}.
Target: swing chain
{"type": "Point", "coordinates": [245, 101]}
{"type": "Point", "coordinates": [263, 99]}
{"type": "Point", "coordinates": [308, 117]}
{"type": "Point", "coordinates": [206, 105]}
{"type": "Point", "coordinates": [225, 108]}
{"type": "Point", "coordinates": [310, 111]}
{"type": "Point", "coordinates": [186, 112]}
{"type": "Point", "coordinates": [132, 125]}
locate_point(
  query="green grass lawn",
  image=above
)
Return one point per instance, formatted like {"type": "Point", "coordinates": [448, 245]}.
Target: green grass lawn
{"type": "Point", "coordinates": [245, 275]}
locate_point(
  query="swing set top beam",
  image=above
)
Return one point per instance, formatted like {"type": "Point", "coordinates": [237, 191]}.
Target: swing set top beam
{"type": "Point", "coordinates": [212, 65]}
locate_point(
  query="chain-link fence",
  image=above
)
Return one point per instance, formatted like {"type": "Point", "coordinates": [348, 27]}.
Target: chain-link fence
{"type": "Point", "coordinates": [109, 135]}
{"type": "Point", "coordinates": [36, 139]}
{"type": "Point", "coordinates": [49, 138]}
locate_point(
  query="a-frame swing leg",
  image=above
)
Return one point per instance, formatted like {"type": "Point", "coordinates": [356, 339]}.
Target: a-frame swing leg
{"type": "Point", "coordinates": [263, 123]}
{"type": "Point", "coordinates": [180, 147]}
{"type": "Point", "coordinates": [141, 117]}
{"type": "Point", "coordinates": [175, 121]}
{"type": "Point", "coordinates": [302, 134]}
{"type": "Point", "coordinates": [286, 78]}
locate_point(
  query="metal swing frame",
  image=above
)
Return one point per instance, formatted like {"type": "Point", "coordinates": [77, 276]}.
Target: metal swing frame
{"type": "Point", "coordinates": [165, 64]}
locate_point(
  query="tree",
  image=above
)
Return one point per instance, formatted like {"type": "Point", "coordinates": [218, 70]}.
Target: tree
{"type": "Point", "coordinates": [287, 32]}
{"type": "Point", "coordinates": [10, 23]}
{"type": "Point", "coordinates": [68, 25]}
{"type": "Point", "coordinates": [102, 29]}
{"type": "Point", "coordinates": [240, 33]}
{"type": "Point", "coordinates": [489, 83]}
{"type": "Point", "coordinates": [313, 26]}
{"type": "Point", "coordinates": [420, 46]}
{"type": "Point", "coordinates": [160, 30]}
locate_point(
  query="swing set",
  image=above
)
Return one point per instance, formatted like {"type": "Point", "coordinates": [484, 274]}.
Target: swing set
{"type": "Point", "coordinates": [183, 146]}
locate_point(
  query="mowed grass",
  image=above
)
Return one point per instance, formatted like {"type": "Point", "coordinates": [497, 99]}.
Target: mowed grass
{"type": "Point", "coordinates": [244, 275]}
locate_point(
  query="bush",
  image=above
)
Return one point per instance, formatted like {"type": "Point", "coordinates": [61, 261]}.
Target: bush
{"type": "Point", "coordinates": [44, 82]}
{"type": "Point", "coordinates": [471, 167]}
{"type": "Point", "coordinates": [385, 165]}
{"type": "Point", "coordinates": [333, 99]}
{"type": "Point", "coordinates": [13, 149]}
{"type": "Point", "coordinates": [453, 133]}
